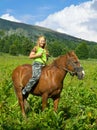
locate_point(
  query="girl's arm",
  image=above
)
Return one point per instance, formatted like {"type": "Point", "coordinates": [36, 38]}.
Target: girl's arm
{"type": "Point", "coordinates": [34, 55]}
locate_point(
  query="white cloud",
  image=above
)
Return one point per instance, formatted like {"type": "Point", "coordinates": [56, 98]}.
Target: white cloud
{"type": "Point", "coordinates": [9, 17]}
{"type": "Point", "coordinates": [79, 21]}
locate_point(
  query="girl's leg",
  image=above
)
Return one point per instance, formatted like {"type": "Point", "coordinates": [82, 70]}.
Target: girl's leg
{"type": "Point", "coordinates": [35, 76]}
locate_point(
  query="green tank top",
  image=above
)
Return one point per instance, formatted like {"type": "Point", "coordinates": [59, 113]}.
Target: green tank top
{"type": "Point", "coordinates": [43, 58]}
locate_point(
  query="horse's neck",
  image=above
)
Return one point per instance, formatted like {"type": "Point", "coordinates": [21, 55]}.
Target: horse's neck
{"type": "Point", "coordinates": [59, 67]}
{"type": "Point", "coordinates": [60, 62]}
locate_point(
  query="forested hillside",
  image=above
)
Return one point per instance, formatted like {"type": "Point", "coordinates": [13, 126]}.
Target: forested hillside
{"type": "Point", "coordinates": [19, 38]}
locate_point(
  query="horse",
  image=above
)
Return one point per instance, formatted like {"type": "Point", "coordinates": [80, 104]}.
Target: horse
{"type": "Point", "coordinates": [50, 83]}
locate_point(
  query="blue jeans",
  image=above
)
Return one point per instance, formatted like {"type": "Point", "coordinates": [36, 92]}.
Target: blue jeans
{"type": "Point", "coordinates": [36, 72]}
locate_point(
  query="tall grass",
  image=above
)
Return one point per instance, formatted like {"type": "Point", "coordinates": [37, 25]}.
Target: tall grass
{"type": "Point", "coordinates": [77, 108]}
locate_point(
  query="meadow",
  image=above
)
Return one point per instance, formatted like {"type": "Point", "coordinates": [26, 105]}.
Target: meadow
{"type": "Point", "coordinates": [77, 108]}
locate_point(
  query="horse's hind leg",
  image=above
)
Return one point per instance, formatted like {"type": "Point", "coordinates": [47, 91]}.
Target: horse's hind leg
{"type": "Point", "coordinates": [21, 103]}
{"type": "Point", "coordinates": [21, 100]}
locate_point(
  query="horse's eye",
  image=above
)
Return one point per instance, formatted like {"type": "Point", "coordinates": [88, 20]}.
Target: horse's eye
{"type": "Point", "coordinates": [76, 62]}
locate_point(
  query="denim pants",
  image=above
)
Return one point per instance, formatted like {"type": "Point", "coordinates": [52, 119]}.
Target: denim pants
{"type": "Point", "coordinates": [36, 72]}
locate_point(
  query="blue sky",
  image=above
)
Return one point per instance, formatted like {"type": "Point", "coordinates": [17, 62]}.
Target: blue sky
{"type": "Point", "coordinates": [74, 17]}
{"type": "Point", "coordinates": [31, 11]}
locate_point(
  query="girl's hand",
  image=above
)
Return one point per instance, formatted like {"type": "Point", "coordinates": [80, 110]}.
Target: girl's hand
{"type": "Point", "coordinates": [39, 55]}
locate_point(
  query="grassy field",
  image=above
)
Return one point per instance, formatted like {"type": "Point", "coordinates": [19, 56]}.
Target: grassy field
{"type": "Point", "coordinates": [77, 108]}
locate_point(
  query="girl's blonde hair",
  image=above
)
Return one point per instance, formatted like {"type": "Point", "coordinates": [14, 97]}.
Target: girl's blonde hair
{"type": "Point", "coordinates": [38, 41]}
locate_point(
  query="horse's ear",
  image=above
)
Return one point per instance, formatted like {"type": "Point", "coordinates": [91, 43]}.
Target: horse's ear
{"type": "Point", "coordinates": [70, 53]}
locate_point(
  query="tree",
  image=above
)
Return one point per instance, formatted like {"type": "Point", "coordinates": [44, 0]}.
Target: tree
{"type": "Point", "coordinates": [55, 49]}
{"type": "Point", "coordinates": [93, 52]}
{"type": "Point", "coordinates": [13, 50]}
{"type": "Point", "coordinates": [82, 50]}
{"type": "Point", "coordinates": [26, 47]}
{"type": "Point", "coordinates": [2, 33]}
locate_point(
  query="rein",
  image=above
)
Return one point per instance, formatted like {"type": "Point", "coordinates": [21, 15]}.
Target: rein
{"type": "Point", "coordinates": [65, 69]}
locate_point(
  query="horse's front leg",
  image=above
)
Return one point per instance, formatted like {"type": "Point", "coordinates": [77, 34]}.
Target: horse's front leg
{"type": "Point", "coordinates": [56, 102]}
{"type": "Point", "coordinates": [44, 100]}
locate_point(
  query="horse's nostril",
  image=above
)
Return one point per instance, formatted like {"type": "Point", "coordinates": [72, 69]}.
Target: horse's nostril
{"type": "Point", "coordinates": [83, 72]}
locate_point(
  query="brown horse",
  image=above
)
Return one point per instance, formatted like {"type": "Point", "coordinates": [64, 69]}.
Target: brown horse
{"type": "Point", "coordinates": [50, 83]}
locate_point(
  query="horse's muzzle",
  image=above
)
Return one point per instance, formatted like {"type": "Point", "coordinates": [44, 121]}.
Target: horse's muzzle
{"type": "Point", "coordinates": [80, 72]}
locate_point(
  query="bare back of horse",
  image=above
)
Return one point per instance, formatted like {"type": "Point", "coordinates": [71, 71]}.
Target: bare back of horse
{"type": "Point", "coordinates": [50, 83]}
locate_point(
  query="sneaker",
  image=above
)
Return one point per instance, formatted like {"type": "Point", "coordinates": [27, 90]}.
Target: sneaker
{"type": "Point", "coordinates": [24, 92]}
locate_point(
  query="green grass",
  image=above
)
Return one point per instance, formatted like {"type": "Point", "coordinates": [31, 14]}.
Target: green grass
{"type": "Point", "coordinates": [77, 108]}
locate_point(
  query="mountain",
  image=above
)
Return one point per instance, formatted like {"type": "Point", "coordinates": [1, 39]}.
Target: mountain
{"type": "Point", "coordinates": [19, 38]}
{"type": "Point", "coordinates": [34, 31]}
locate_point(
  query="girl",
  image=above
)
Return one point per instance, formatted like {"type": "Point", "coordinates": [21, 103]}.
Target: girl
{"type": "Point", "coordinates": [39, 54]}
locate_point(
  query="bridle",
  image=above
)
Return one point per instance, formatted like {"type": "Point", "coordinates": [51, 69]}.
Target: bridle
{"type": "Point", "coordinates": [74, 65]}
{"type": "Point", "coordinates": [76, 68]}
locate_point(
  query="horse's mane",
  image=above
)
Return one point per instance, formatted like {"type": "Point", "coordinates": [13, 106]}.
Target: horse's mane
{"type": "Point", "coordinates": [57, 60]}
{"type": "Point", "coordinates": [61, 58]}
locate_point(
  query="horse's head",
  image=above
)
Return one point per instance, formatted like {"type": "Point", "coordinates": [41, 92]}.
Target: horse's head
{"type": "Point", "coordinates": [73, 65]}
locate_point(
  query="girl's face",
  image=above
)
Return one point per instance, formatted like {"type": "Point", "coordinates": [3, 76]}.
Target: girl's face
{"type": "Point", "coordinates": [42, 42]}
